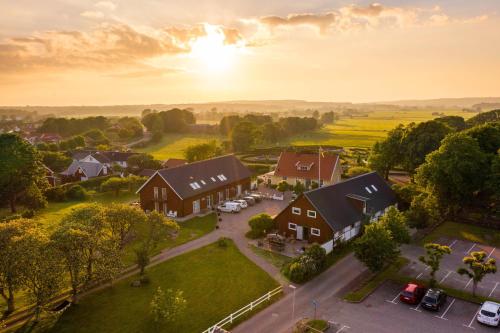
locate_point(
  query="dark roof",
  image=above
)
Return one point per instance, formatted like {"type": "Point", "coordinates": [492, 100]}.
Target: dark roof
{"type": "Point", "coordinates": [208, 175]}
{"type": "Point", "coordinates": [116, 156]}
{"type": "Point", "coordinates": [174, 162]}
{"type": "Point", "coordinates": [147, 172]}
{"type": "Point", "coordinates": [103, 156]}
{"type": "Point", "coordinates": [334, 202]}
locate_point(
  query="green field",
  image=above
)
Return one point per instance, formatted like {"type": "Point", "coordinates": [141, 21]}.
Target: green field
{"type": "Point", "coordinates": [365, 131]}
{"type": "Point", "coordinates": [215, 280]}
{"type": "Point", "coordinates": [174, 145]}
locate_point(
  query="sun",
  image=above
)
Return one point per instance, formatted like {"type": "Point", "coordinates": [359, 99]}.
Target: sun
{"type": "Point", "coordinates": [212, 52]}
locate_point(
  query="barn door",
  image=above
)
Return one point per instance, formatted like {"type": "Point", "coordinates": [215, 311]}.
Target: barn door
{"type": "Point", "coordinates": [300, 232]}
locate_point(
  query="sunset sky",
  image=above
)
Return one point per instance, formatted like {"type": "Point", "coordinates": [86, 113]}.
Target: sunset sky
{"type": "Point", "coordinates": [83, 52]}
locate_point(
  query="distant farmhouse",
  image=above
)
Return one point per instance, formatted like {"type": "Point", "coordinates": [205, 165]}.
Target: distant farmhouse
{"type": "Point", "coordinates": [89, 164]}
{"type": "Point", "coordinates": [196, 187]}
{"type": "Point", "coordinates": [306, 168]}
{"type": "Point", "coordinates": [336, 212]}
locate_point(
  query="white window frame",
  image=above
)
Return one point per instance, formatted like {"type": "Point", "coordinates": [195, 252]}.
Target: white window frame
{"type": "Point", "coordinates": [155, 192]}
{"type": "Point", "coordinates": [311, 213]}
{"type": "Point", "coordinates": [292, 226]}
{"type": "Point", "coordinates": [164, 193]}
{"type": "Point", "coordinates": [296, 211]}
{"type": "Point", "coordinates": [315, 232]}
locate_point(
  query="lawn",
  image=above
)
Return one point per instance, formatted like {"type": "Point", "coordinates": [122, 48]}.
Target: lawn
{"type": "Point", "coordinates": [215, 280]}
{"type": "Point", "coordinates": [174, 145]}
{"type": "Point", "coordinates": [365, 131]}
{"type": "Point", "coordinates": [276, 259]}
{"type": "Point", "coordinates": [468, 232]}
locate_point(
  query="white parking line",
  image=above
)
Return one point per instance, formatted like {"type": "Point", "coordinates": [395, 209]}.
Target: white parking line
{"type": "Point", "coordinates": [446, 311]}
{"type": "Point", "coordinates": [394, 299]}
{"type": "Point", "coordinates": [472, 320]}
{"type": "Point", "coordinates": [419, 275]}
{"type": "Point", "coordinates": [452, 243]}
{"type": "Point", "coordinates": [489, 255]}
{"type": "Point", "coordinates": [444, 278]}
{"type": "Point", "coordinates": [492, 290]}
{"type": "Point", "coordinates": [470, 248]}
{"type": "Point", "coordinates": [468, 283]}
{"type": "Point", "coordinates": [344, 327]}
{"type": "Point", "coordinates": [417, 308]}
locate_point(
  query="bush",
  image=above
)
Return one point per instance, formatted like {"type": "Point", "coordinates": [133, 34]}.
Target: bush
{"type": "Point", "coordinates": [259, 225]}
{"type": "Point", "coordinates": [307, 265]}
{"type": "Point", "coordinates": [28, 214]}
{"type": "Point", "coordinates": [356, 171]}
{"type": "Point", "coordinates": [76, 192]}
{"type": "Point", "coordinates": [258, 169]}
{"type": "Point", "coordinates": [57, 194]}
{"type": "Point", "coordinates": [222, 242]}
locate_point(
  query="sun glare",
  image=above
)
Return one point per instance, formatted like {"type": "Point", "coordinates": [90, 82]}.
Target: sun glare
{"type": "Point", "coordinates": [213, 54]}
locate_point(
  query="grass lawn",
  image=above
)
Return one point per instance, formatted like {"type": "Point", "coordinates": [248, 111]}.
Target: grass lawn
{"type": "Point", "coordinates": [276, 259]}
{"type": "Point", "coordinates": [365, 131]}
{"type": "Point", "coordinates": [174, 145]}
{"type": "Point", "coordinates": [463, 231]}
{"type": "Point", "coordinates": [215, 280]}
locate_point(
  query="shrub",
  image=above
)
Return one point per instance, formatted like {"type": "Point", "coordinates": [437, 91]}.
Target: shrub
{"type": "Point", "coordinates": [28, 214]}
{"type": "Point", "coordinates": [356, 171]}
{"type": "Point", "coordinates": [76, 192]}
{"type": "Point", "coordinates": [307, 265]}
{"type": "Point", "coordinates": [258, 169]}
{"type": "Point", "coordinates": [259, 225]}
{"type": "Point", "coordinates": [283, 186]}
{"type": "Point", "coordinates": [57, 193]}
{"type": "Point", "coordinates": [222, 242]}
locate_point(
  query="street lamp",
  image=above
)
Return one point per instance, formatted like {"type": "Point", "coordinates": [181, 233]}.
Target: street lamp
{"type": "Point", "coordinates": [293, 302]}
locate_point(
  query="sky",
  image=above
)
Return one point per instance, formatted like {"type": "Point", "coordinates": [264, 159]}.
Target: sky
{"type": "Point", "coordinates": [90, 52]}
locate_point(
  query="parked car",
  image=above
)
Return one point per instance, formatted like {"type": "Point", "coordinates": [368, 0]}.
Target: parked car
{"type": "Point", "coordinates": [433, 299]}
{"type": "Point", "coordinates": [412, 293]}
{"type": "Point", "coordinates": [489, 314]}
{"type": "Point", "coordinates": [257, 197]}
{"type": "Point", "coordinates": [250, 200]}
{"type": "Point", "coordinates": [242, 203]}
{"type": "Point", "coordinates": [229, 207]}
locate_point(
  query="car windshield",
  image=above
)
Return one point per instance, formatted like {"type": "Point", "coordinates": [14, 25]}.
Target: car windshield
{"type": "Point", "coordinates": [407, 294]}
{"type": "Point", "coordinates": [487, 313]}
{"type": "Point", "coordinates": [429, 299]}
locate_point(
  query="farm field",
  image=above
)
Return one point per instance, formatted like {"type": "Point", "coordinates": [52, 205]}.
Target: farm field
{"type": "Point", "coordinates": [365, 131]}
{"type": "Point", "coordinates": [211, 293]}
{"type": "Point", "coordinates": [174, 145]}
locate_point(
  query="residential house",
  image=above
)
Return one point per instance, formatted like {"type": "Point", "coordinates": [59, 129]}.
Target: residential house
{"type": "Point", "coordinates": [192, 188]}
{"type": "Point", "coordinates": [80, 171]}
{"type": "Point", "coordinates": [306, 168]}
{"type": "Point", "coordinates": [336, 212]}
{"type": "Point", "coordinates": [50, 176]}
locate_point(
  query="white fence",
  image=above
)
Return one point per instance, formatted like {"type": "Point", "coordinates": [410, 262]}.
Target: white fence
{"type": "Point", "coordinates": [328, 246]}
{"type": "Point", "coordinates": [249, 307]}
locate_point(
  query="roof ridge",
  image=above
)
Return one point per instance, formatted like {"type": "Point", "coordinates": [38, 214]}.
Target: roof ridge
{"type": "Point", "coordinates": [197, 162]}
{"type": "Point", "coordinates": [342, 182]}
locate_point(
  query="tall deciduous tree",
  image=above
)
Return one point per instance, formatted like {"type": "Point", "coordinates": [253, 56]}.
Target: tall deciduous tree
{"type": "Point", "coordinates": [167, 306]}
{"type": "Point", "coordinates": [479, 265]}
{"type": "Point", "coordinates": [434, 254]}
{"type": "Point", "coordinates": [395, 222]}
{"type": "Point", "coordinates": [376, 247]}
{"type": "Point", "coordinates": [114, 184]}
{"type": "Point", "coordinates": [242, 136]}
{"type": "Point", "coordinates": [20, 169]}
{"type": "Point", "coordinates": [387, 153]}
{"type": "Point", "coordinates": [121, 220]}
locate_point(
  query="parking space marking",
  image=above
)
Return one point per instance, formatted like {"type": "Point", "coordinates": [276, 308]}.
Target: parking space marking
{"type": "Point", "coordinates": [472, 320]}
{"type": "Point", "coordinates": [344, 327]}
{"type": "Point", "coordinates": [470, 248]}
{"type": "Point", "coordinates": [452, 243]}
{"type": "Point", "coordinates": [419, 275]}
{"type": "Point", "coordinates": [446, 311]}
{"type": "Point", "coordinates": [444, 278]}
{"type": "Point", "coordinates": [417, 308]}
{"type": "Point", "coordinates": [394, 299]}
{"type": "Point", "coordinates": [489, 255]}
{"type": "Point", "coordinates": [468, 283]}
{"type": "Point", "coordinates": [493, 290]}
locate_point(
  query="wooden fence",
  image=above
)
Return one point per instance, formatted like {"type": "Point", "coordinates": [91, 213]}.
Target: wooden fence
{"type": "Point", "coordinates": [247, 308]}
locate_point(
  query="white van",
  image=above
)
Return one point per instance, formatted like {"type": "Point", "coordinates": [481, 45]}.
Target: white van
{"type": "Point", "coordinates": [229, 207]}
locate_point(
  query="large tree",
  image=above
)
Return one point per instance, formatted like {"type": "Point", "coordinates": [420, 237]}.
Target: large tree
{"type": "Point", "coordinates": [387, 153]}
{"type": "Point", "coordinates": [20, 169]}
{"type": "Point", "coordinates": [122, 220]}
{"type": "Point", "coordinates": [202, 151]}
{"type": "Point", "coordinates": [455, 171]}
{"type": "Point", "coordinates": [242, 136]}
{"type": "Point", "coordinates": [395, 222]}
{"type": "Point", "coordinates": [434, 254]}
{"type": "Point", "coordinates": [376, 248]}
{"type": "Point", "coordinates": [479, 265]}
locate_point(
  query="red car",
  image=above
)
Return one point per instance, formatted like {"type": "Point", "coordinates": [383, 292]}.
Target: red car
{"type": "Point", "coordinates": [412, 293]}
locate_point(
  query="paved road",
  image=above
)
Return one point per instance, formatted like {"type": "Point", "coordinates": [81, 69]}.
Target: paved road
{"type": "Point", "coordinates": [325, 290]}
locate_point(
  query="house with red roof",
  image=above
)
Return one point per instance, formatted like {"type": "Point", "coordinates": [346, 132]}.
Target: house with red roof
{"type": "Point", "coordinates": [306, 168]}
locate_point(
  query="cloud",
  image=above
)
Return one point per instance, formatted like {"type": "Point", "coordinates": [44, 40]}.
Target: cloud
{"type": "Point", "coordinates": [106, 5]}
{"type": "Point", "coordinates": [106, 47]}
{"type": "Point", "coordinates": [92, 14]}
{"type": "Point", "coordinates": [322, 21]}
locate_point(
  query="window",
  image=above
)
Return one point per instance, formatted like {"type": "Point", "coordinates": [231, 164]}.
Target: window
{"type": "Point", "coordinates": [203, 182]}
{"type": "Point", "coordinates": [195, 186]}
{"type": "Point", "coordinates": [311, 213]}
{"type": "Point", "coordinates": [157, 206]}
{"type": "Point", "coordinates": [155, 190]}
{"type": "Point", "coordinates": [304, 168]}
{"type": "Point", "coordinates": [374, 188]}
{"type": "Point", "coordinates": [296, 210]}
{"type": "Point", "coordinates": [164, 193]}
{"type": "Point", "coordinates": [220, 178]}
{"type": "Point", "coordinates": [292, 226]}
{"type": "Point", "coordinates": [315, 232]}
{"type": "Point", "coordinates": [368, 190]}
{"type": "Point", "coordinates": [284, 177]}
{"type": "Point", "coordinates": [213, 179]}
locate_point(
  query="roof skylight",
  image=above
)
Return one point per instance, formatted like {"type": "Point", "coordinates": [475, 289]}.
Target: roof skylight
{"type": "Point", "coordinates": [374, 188]}
{"type": "Point", "coordinates": [368, 190]}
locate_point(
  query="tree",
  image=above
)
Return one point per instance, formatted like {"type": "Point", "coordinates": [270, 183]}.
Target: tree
{"type": "Point", "coordinates": [20, 169]}
{"type": "Point", "coordinates": [357, 171]}
{"type": "Point", "coordinates": [328, 118]}
{"type": "Point", "coordinates": [242, 136]}
{"type": "Point", "coordinates": [122, 220]}
{"type": "Point", "coordinates": [387, 153]}
{"type": "Point", "coordinates": [484, 117]}
{"type": "Point", "coordinates": [156, 228]}
{"type": "Point", "coordinates": [227, 123]}
{"type": "Point", "coordinates": [56, 161]}
{"type": "Point", "coordinates": [260, 224]}
{"type": "Point", "coordinates": [44, 271]}
{"type": "Point", "coordinates": [202, 151]}
{"type": "Point", "coordinates": [299, 188]}
{"type": "Point", "coordinates": [487, 136]}
{"type": "Point", "coordinates": [376, 248]}
{"type": "Point", "coordinates": [166, 307]}
{"type": "Point", "coordinates": [283, 186]}
{"type": "Point", "coordinates": [115, 184]}
{"type": "Point", "coordinates": [479, 265]}
{"type": "Point", "coordinates": [395, 222]}
{"type": "Point", "coordinates": [424, 211]}
{"type": "Point", "coordinates": [420, 140]}
{"type": "Point", "coordinates": [456, 123]}
{"type": "Point", "coordinates": [143, 161]}
{"type": "Point", "coordinates": [455, 171]}
{"type": "Point", "coordinates": [12, 252]}
{"type": "Point", "coordinates": [434, 254]}
{"type": "Point", "coordinates": [270, 133]}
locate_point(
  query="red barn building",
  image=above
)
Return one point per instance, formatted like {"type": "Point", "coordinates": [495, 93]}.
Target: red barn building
{"type": "Point", "coordinates": [195, 187]}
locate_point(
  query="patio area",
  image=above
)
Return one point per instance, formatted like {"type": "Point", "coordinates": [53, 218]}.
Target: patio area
{"type": "Point", "coordinates": [292, 248]}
